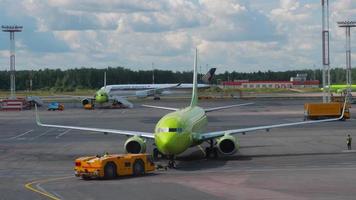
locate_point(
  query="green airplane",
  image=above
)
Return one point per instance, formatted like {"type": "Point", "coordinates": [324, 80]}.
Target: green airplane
{"type": "Point", "coordinates": [341, 88]}
{"type": "Point", "coordinates": [183, 128]}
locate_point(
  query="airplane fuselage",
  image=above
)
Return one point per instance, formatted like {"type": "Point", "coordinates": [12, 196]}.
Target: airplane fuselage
{"type": "Point", "coordinates": [179, 130]}
{"type": "Point", "coordinates": [103, 95]}
{"type": "Point", "coordinates": [341, 88]}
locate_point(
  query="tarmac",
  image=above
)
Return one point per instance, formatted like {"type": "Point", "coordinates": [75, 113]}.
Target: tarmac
{"type": "Point", "coordinates": [303, 162]}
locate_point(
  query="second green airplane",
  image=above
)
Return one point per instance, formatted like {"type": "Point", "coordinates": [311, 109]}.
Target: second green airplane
{"type": "Point", "coordinates": [341, 88]}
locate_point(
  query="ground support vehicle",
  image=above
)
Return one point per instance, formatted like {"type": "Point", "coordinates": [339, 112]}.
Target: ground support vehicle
{"type": "Point", "coordinates": [325, 110]}
{"type": "Point", "coordinates": [55, 106]}
{"type": "Point", "coordinates": [114, 165]}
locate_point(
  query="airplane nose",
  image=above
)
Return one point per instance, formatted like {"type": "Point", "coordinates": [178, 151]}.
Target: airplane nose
{"type": "Point", "coordinates": [165, 143]}
{"type": "Point", "coordinates": [100, 98]}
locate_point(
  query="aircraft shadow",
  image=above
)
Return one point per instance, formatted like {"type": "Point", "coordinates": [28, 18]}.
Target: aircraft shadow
{"type": "Point", "coordinates": [196, 161]}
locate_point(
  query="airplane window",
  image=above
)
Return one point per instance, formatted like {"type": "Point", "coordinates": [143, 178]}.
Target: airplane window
{"type": "Point", "coordinates": [171, 130]}
{"type": "Point", "coordinates": [161, 130]}
{"type": "Point", "coordinates": [178, 130]}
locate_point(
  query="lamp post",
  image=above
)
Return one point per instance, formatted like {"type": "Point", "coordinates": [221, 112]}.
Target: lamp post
{"type": "Point", "coordinates": [348, 25]}
{"type": "Point", "coordinates": [12, 30]}
{"type": "Point", "coordinates": [325, 53]}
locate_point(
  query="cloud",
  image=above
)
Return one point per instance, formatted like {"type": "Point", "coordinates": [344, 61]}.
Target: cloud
{"type": "Point", "coordinates": [236, 35]}
{"type": "Point", "coordinates": [30, 38]}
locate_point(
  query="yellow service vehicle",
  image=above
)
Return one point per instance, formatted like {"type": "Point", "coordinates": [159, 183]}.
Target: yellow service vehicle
{"type": "Point", "coordinates": [110, 166]}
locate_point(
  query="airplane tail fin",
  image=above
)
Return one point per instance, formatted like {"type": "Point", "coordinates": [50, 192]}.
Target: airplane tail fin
{"type": "Point", "coordinates": [208, 76]}
{"type": "Point", "coordinates": [194, 100]}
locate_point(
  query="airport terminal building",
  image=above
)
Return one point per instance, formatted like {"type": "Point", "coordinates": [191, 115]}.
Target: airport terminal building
{"type": "Point", "coordinates": [271, 84]}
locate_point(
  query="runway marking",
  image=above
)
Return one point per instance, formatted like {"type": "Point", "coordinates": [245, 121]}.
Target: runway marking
{"type": "Point", "coordinates": [22, 134]}
{"type": "Point", "coordinates": [44, 133]}
{"type": "Point", "coordinates": [348, 151]}
{"type": "Point", "coordinates": [61, 134]}
{"type": "Point", "coordinates": [40, 189]}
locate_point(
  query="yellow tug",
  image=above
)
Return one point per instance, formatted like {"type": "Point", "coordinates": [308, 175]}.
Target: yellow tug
{"type": "Point", "coordinates": [111, 166]}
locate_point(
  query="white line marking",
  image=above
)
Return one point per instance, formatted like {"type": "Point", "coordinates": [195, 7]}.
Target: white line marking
{"type": "Point", "coordinates": [348, 151]}
{"type": "Point", "coordinates": [61, 134]}
{"type": "Point", "coordinates": [38, 186]}
{"type": "Point", "coordinates": [44, 133]}
{"type": "Point", "coordinates": [56, 194]}
{"type": "Point", "coordinates": [22, 134]}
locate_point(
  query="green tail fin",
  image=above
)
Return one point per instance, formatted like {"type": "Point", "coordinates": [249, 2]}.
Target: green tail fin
{"type": "Point", "coordinates": [194, 101]}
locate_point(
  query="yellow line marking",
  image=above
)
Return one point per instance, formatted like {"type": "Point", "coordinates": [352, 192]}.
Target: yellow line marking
{"type": "Point", "coordinates": [44, 193]}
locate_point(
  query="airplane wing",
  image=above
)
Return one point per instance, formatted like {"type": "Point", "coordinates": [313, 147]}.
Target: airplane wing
{"type": "Point", "coordinates": [114, 131]}
{"type": "Point", "coordinates": [160, 107]}
{"type": "Point", "coordinates": [206, 110]}
{"type": "Point", "coordinates": [226, 107]}
{"type": "Point", "coordinates": [212, 135]}
{"type": "Point", "coordinates": [158, 90]}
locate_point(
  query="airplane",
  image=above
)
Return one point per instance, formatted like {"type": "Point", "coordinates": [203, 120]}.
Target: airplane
{"type": "Point", "coordinates": [183, 128]}
{"type": "Point", "coordinates": [341, 88]}
{"type": "Point", "coordinates": [117, 94]}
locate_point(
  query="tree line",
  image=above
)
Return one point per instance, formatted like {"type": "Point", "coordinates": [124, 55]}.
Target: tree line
{"type": "Point", "coordinates": [92, 78]}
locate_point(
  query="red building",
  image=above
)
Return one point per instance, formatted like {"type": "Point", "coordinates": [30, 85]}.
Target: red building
{"type": "Point", "coordinates": [270, 84]}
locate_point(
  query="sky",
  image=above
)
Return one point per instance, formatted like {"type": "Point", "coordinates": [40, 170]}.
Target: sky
{"type": "Point", "coordinates": [232, 35]}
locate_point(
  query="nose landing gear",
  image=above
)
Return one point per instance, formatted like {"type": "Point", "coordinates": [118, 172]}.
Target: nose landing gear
{"type": "Point", "coordinates": [171, 163]}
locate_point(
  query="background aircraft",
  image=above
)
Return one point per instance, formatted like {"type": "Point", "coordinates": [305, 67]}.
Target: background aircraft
{"type": "Point", "coordinates": [183, 128]}
{"type": "Point", "coordinates": [341, 88]}
{"type": "Point", "coordinates": [117, 94]}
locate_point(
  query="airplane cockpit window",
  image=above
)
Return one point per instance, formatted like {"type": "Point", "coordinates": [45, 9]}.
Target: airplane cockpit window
{"type": "Point", "coordinates": [170, 130]}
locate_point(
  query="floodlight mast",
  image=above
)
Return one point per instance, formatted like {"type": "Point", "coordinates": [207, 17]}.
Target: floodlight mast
{"type": "Point", "coordinates": [326, 56]}
{"type": "Point", "coordinates": [12, 30]}
{"type": "Point", "coordinates": [348, 25]}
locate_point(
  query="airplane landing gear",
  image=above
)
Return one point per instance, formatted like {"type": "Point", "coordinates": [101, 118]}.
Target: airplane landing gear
{"type": "Point", "coordinates": [156, 154]}
{"type": "Point", "coordinates": [212, 150]}
{"type": "Point", "coordinates": [171, 162]}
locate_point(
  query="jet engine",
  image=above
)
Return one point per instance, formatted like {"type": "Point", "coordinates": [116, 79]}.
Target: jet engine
{"type": "Point", "coordinates": [228, 144]}
{"type": "Point", "coordinates": [142, 94]}
{"type": "Point", "coordinates": [85, 101]}
{"type": "Point", "coordinates": [135, 144]}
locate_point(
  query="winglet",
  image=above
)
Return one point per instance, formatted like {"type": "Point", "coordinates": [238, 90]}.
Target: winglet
{"type": "Point", "coordinates": [343, 110]}
{"type": "Point", "coordinates": [194, 100]}
{"type": "Point", "coordinates": [38, 121]}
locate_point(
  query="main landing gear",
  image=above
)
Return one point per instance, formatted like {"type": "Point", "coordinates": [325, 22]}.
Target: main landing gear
{"type": "Point", "coordinates": [171, 163]}
{"type": "Point", "coordinates": [212, 150]}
